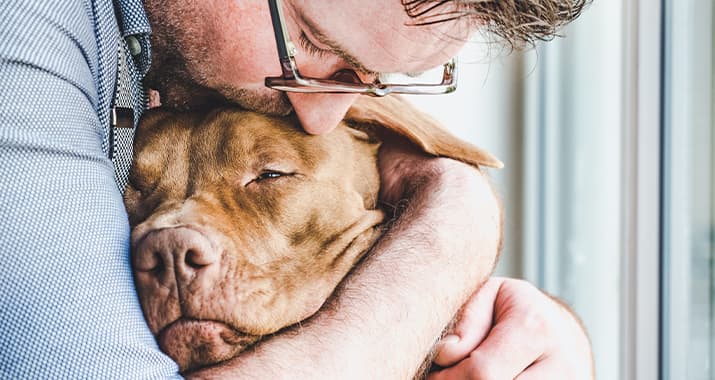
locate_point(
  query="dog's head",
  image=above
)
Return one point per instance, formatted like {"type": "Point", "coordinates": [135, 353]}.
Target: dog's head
{"type": "Point", "coordinates": [242, 224]}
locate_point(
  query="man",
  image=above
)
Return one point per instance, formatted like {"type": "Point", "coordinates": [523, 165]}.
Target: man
{"type": "Point", "coordinates": [68, 307]}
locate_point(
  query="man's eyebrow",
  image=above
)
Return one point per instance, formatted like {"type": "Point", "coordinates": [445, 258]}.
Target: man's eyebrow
{"type": "Point", "coordinates": [336, 48]}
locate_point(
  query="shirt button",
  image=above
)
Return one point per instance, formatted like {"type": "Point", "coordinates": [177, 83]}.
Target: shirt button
{"type": "Point", "coordinates": [135, 48]}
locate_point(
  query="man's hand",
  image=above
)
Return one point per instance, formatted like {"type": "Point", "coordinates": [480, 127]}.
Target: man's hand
{"type": "Point", "coordinates": [509, 329]}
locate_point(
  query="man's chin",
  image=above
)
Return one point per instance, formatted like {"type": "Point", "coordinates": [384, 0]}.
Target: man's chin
{"type": "Point", "coordinates": [195, 344]}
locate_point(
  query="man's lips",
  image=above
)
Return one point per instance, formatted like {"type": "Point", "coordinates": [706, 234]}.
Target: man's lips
{"type": "Point", "coordinates": [197, 343]}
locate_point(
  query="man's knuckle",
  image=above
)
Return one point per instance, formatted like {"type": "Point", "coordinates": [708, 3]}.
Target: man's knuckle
{"type": "Point", "coordinates": [535, 323]}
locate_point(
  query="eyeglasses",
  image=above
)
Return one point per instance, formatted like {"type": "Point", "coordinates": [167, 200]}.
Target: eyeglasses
{"type": "Point", "coordinates": [292, 81]}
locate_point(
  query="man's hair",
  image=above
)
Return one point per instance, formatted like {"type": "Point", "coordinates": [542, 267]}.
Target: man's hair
{"type": "Point", "coordinates": [516, 22]}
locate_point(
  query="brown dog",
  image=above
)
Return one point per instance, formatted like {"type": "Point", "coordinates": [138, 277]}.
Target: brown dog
{"type": "Point", "coordinates": [242, 224]}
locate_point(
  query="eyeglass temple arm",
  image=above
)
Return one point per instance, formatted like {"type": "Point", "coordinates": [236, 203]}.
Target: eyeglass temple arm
{"type": "Point", "coordinates": [282, 42]}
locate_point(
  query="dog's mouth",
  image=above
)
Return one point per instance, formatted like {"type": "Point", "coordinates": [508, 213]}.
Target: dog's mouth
{"type": "Point", "coordinates": [196, 343]}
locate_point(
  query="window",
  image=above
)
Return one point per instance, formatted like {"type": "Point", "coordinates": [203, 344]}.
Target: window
{"type": "Point", "coordinates": [688, 207]}
{"type": "Point", "coordinates": [609, 184]}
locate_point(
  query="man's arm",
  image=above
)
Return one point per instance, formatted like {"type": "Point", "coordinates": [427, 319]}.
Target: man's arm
{"type": "Point", "coordinates": [390, 311]}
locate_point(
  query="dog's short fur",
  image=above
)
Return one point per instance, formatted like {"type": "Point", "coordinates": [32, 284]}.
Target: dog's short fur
{"type": "Point", "coordinates": [242, 224]}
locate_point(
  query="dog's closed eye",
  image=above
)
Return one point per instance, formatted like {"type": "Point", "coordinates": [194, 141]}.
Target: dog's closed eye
{"type": "Point", "coordinates": [270, 175]}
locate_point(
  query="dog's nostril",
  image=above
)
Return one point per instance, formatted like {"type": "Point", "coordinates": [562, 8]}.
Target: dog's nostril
{"type": "Point", "coordinates": [195, 259]}
{"type": "Point", "coordinates": [149, 261]}
{"type": "Point", "coordinates": [158, 266]}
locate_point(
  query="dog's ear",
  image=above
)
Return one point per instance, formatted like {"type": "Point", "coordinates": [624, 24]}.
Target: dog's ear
{"type": "Point", "coordinates": [398, 115]}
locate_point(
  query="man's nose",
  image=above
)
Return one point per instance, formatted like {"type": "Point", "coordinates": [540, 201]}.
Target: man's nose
{"type": "Point", "coordinates": [320, 113]}
{"type": "Point", "coordinates": [181, 255]}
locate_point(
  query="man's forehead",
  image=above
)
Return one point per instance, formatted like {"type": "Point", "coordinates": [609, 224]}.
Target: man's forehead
{"type": "Point", "coordinates": [381, 36]}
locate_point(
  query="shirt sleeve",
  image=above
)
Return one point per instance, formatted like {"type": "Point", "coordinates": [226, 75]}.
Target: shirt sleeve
{"type": "Point", "coordinates": [68, 307]}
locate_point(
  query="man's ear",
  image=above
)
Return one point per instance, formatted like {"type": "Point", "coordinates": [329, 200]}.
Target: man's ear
{"type": "Point", "coordinates": [398, 115]}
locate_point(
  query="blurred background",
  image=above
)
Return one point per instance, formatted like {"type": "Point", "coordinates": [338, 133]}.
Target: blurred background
{"type": "Point", "coordinates": [608, 185]}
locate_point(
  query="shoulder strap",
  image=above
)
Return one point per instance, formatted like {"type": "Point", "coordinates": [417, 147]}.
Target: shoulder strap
{"type": "Point", "coordinates": [121, 137]}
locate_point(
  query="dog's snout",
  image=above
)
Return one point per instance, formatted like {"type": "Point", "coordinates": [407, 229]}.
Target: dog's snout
{"type": "Point", "coordinates": [176, 254]}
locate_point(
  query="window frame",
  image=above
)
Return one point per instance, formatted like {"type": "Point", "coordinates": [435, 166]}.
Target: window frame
{"type": "Point", "coordinates": [641, 266]}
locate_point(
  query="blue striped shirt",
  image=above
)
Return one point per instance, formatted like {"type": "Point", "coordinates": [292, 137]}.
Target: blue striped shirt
{"type": "Point", "coordinates": [68, 308]}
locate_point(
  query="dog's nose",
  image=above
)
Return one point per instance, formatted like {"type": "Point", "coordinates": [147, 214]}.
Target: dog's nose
{"type": "Point", "coordinates": [178, 254]}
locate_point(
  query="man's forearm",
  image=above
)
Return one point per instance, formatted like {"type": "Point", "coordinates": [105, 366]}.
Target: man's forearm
{"type": "Point", "coordinates": [392, 308]}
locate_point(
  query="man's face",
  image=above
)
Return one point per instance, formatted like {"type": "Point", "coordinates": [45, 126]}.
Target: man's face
{"type": "Point", "coordinates": [229, 46]}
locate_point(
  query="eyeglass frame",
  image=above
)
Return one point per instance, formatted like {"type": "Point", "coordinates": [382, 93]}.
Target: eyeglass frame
{"type": "Point", "coordinates": [292, 81]}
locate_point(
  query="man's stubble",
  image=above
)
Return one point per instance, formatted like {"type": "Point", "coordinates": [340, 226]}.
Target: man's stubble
{"type": "Point", "coordinates": [187, 82]}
